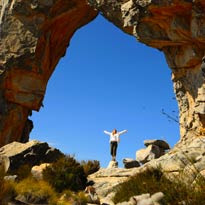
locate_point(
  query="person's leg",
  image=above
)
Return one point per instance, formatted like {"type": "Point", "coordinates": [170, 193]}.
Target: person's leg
{"type": "Point", "coordinates": [112, 149]}
{"type": "Point", "coordinates": [115, 150]}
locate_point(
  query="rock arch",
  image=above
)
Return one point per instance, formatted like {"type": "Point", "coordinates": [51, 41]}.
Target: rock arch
{"type": "Point", "coordinates": [34, 35]}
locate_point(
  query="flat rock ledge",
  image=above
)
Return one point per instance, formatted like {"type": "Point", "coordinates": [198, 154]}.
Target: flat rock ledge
{"type": "Point", "coordinates": [107, 179]}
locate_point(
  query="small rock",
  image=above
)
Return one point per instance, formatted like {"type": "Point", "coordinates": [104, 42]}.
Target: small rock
{"type": "Point", "coordinates": [145, 202]}
{"type": "Point", "coordinates": [37, 171]}
{"type": "Point", "coordinates": [112, 164]}
{"type": "Point", "coordinates": [29, 199]}
{"type": "Point", "coordinates": [141, 197]}
{"type": "Point", "coordinates": [130, 163]}
{"type": "Point", "coordinates": [12, 178]}
{"type": "Point", "coordinates": [159, 143]}
{"type": "Point", "coordinates": [148, 154]}
{"type": "Point", "coordinates": [157, 197]}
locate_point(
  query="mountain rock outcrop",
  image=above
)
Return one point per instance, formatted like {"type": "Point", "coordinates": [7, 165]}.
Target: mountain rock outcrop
{"type": "Point", "coordinates": [16, 154]}
{"type": "Point", "coordinates": [177, 28]}
{"type": "Point", "coordinates": [34, 35]}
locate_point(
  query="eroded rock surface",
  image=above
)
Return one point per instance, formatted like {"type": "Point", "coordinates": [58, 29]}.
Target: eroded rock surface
{"type": "Point", "coordinates": [107, 179]}
{"type": "Point", "coordinates": [16, 154]}
{"type": "Point", "coordinates": [177, 28]}
{"type": "Point", "coordinates": [34, 35]}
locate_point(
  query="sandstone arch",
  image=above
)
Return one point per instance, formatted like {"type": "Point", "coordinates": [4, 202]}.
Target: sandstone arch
{"type": "Point", "coordinates": [36, 33]}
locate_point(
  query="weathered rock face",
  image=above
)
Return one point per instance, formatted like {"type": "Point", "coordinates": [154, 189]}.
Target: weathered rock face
{"type": "Point", "coordinates": [16, 154]}
{"type": "Point", "coordinates": [176, 27]}
{"type": "Point", "coordinates": [34, 35]}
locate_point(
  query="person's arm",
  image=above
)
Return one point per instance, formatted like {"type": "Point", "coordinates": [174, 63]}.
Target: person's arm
{"type": "Point", "coordinates": [122, 132]}
{"type": "Point", "coordinates": [107, 133]}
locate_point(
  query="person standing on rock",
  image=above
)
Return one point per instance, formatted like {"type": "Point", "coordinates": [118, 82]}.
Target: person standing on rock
{"type": "Point", "coordinates": [114, 140]}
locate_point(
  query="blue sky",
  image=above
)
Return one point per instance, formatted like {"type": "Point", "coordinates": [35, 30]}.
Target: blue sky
{"type": "Point", "coordinates": [107, 80]}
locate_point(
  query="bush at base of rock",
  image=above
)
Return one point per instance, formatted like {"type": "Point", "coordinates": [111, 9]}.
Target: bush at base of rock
{"type": "Point", "coordinates": [90, 166]}
{"type": "Point", "coordinates": [66, 173]}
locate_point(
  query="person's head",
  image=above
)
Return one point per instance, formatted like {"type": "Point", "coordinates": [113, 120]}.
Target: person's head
{"type": "Point", "coordinates": [114, 131]}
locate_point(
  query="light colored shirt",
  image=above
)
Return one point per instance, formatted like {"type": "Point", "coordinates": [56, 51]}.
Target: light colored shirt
{"type": "Point", "coordinates": [115, 137]}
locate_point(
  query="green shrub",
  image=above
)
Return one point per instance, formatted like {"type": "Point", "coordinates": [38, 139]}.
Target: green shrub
{"type": "Point", "coordinates": [36, 191]}
{"type": "Point", "coordinates": [153, 181]}
{"type": "Point", "coordinates": [66, 173]}
{"type": "Point", "coordinates": [90, 166]}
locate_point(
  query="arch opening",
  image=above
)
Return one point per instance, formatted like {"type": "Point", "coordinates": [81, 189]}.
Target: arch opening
{"type": "Point", "coordinates": [102, 83]}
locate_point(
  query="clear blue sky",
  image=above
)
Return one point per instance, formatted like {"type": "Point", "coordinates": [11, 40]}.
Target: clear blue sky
{"type": "Point", "coordinates": [106, 80]}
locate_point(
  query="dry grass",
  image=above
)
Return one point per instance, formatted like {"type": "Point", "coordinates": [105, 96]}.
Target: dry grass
{"type": "Point", "coordinates": [33, 189]}
{"type": "Point", "coordinates": [90, 166]}
{"type": "Point", "coordinates": [153, 181]}
{"type": "Point", "coordinates": [6, 188]}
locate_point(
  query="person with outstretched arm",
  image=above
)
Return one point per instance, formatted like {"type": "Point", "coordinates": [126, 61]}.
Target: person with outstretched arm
{"type": "Point", "coordinates": [114, 140]}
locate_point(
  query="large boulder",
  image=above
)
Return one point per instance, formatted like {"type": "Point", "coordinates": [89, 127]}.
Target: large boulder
{"type": "Point", "coordinates": [32, 153]}
{"type": "Point", "coordinates": [160, 143]}
{"type": "Point", "coordinates": [148, 154]}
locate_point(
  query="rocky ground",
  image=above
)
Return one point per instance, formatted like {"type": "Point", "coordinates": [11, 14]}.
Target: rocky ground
{"type": "Point", "coordinates": [189, 160]}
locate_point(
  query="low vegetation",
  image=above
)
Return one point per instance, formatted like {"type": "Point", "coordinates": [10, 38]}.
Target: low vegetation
{"type": "Point", "coordinates": [64, 174]}
{"type": "Point", "coordinates": [90, 166]}
{"type": "Point", "coordinates": [63, 183]}
{"type": "Point", "coordinates": [36, 191]}
{"type": "Point", "coordinates": [176, 191]}
{"type": "Point", "coordinates": [6, 188]}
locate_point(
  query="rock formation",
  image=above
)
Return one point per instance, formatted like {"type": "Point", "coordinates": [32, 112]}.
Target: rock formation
{"type": "Point", "coordinates": [154, 149]}
{"type": "Point", "coordinates": [177, 28]}
{"type": "Point", "coordinates": [106, 180]}
{"type": "Point", "coordinates": [16, 154]}
{"type": "Point", "coordinates": [34, 35]}
{"type": "Point", "coordinates": [130, 163]}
